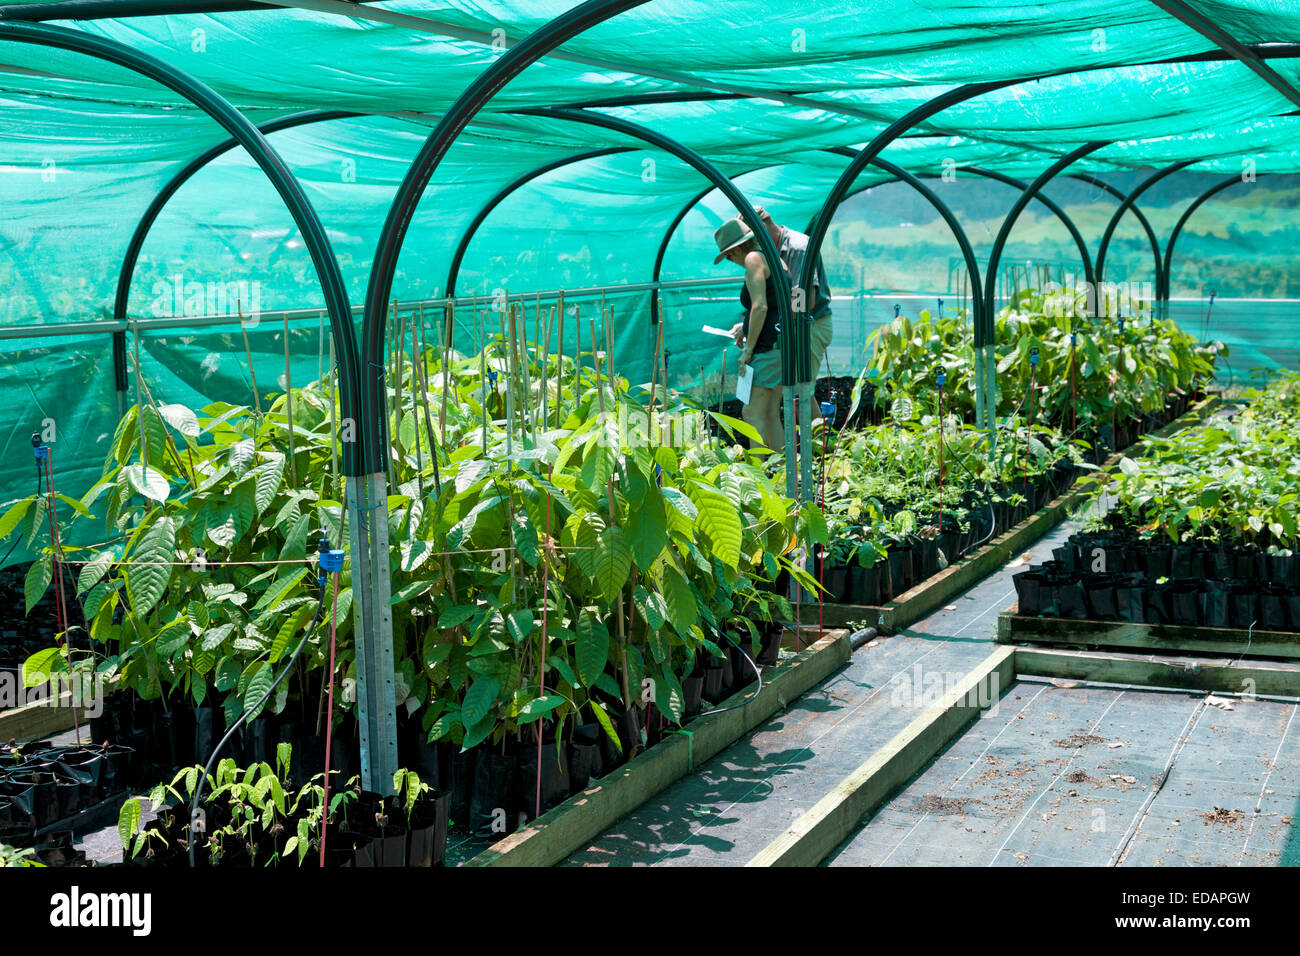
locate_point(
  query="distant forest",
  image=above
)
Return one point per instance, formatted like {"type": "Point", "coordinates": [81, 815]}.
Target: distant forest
{"type": "Point", "coordinates": [1242, 243]}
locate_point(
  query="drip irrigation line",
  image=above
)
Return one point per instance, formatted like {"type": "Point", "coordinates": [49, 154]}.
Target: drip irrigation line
{"type": "Point", "coordinates": [329, 725]}
{"type": "Point", "coordinates": [1122, 849]}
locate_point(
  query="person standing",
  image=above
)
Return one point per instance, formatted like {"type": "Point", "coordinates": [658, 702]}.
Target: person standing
{"type": "Point", "coordinates": [793, 247]}
{"type": "Point", "coordinates": [757, 334]}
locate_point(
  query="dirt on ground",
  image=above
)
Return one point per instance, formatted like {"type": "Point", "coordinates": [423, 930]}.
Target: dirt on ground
{"type": "Point", "coordinates": [1078, 740]}
{"type": "Point", "coordinates": [1224, 817]}
{"type": "Point", "coordinates": [932, 803]}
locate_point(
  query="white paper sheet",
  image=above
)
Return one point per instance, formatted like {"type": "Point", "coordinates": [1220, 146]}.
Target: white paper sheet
{"type": "Point", "coordinates": [712, 330]}
{"type": "Point", "coordinates": [745, 384]}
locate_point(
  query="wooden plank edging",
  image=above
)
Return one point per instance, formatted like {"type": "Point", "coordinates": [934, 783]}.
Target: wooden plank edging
{"type": "Point", "coordinates": [814, 835]}
{"type": "Point", "coordinates": [560, 832]}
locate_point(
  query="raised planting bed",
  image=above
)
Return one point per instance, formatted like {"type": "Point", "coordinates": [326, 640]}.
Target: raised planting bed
{"type": "Point", "coordinates": [1199, 533]}
{"type": "Point", "coordinates": [1015, 628]}
{"type": "Point", "coordinates": [564, 829]}
{"type": "Point", "coordinates": [937, 590]}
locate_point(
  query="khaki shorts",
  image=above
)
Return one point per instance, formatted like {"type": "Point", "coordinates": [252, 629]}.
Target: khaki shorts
{"type": "Point", "coordinates": [822, 331]}
{"type": "Point", "coordinates": [767, 368]}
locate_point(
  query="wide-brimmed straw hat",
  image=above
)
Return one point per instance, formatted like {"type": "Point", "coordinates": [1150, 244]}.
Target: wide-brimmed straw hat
{"type": "Point", "coordinates": [732, 233]}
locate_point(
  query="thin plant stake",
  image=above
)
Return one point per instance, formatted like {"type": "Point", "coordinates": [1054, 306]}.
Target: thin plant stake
{"type": "Point", "coordinates": [559, 367]}
{"type": "Point", "coordinates": [248, 353]}
{"type": "Point", "coordinates": [288, 402]}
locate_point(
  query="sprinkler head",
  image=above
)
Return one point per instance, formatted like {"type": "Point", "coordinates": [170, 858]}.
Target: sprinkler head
{"type": "Point", "coordinates": [828, 409]}
{"type": "Point", "coordinates": [1033, 357]}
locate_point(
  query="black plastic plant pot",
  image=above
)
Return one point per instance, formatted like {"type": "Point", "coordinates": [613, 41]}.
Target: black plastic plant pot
{"type": "Point", "coordinates": [496, 792]}
{"type": "Point", "coordinates": [1185, 604]}
{"type": "Point", "coordinates": [1029, 592]}
{"type": "Point", "coordinates": [1243, 603]}
{"type": "Point", "coordinates": [1100, 597]}
{"type": "Point", "coordinates": [1216, 604]}
{"type": "Point", "coordinates": [835, 581]}
{"type": "Point", "coordinates": [1130, 605]}
{"type": "Point", "coordinates": [864, 585]}
{"type": "Point", "coordinates": [585, 764]}
{"type": "Point", "coordinates": [553, 784]}
{"type": "Point", "coordinates": [1243, 564]}
{"type": "Point", "coordinates": [742, 671]}
{"type": "Point", "coordinates": [693, 689]}
{"type": "Point", "coordinates": [901, 576]}
{"type": "Point", "coordinates": [1272, 608]}
{"type": "Point", "coordinates": [1293, 612]}
{"type": "Point", "coordinates": [950, 544]}
{"type": "Point", "coordinates": [1155, 561]}
{"type": "Point", "coordinates": [715, 685]}
{"type": "Point", "coordinates": [1282, 569]}
{"type": "Point", "coordinates": [1218, 566]}
{"type": "Point", "coordinates": [769, 652]}
{"type": "Point", "coordinates": [1180, 562]}
{"type": "Point", "coordinates": [427, 837]}
{"type": "Point", "coordinates": [209, 725]}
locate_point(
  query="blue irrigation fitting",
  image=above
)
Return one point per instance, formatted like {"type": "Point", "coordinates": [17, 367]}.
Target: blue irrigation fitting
{"type": "Point", "coordinates": [828, 409]}
{"type": "Point", "coordinates": [1033, 357]}
{"type": "Point", "coordinates": [1121, 325]}
{"type": "Point", "coordinates": [331, 560]}
{"type": "Point", "coordinates": [1074, 338]}
{"type": "Point", "coordinates": [940, 379]}
{"type": "Point", "coordinates": [41, 452]}
{"type": "Point", "coordinates": [941, 306]}
{"type": "Point", "coordinates": [897, 309]}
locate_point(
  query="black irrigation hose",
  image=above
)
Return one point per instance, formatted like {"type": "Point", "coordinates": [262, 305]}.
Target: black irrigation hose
{"type": "Point", "coordinates": [757, 674]}
{"type": "Point", "coordinates": [216, 751]}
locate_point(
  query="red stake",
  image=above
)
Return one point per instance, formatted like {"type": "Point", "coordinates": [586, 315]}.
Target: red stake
{"type": "Point", "coordinates": [329, 726]}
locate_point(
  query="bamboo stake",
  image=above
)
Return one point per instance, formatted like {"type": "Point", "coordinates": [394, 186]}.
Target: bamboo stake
{"type": "Point", "coordinates": [288, 403]}
{"type": "Point", "coordinates": [480, 324]}
{"type": "Point", "coordinates": [546, 369]}
{"type": "Point", "coordinates": [248, 353]}
{"type": "Point", "coordinates": [448, 332]}
{"type": "Point", "coordinates": [510, 391]}
{"type": "Point", "coordinates": [334, 445]}
{"type": "Point", "coordinates": [577, 350]}
{"type": "Point", "coordinates": [559, 368]}
{"type": "Point", "coordinates": [595, 361]}
{"type": "Point", "coordinates": [416, 352]}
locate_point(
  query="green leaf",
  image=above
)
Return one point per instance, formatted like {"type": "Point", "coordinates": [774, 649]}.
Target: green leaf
{"type": "Point", "coordinates": [651, 607]}
{"type": "Point", "coordinates": [680, 600]}
{"type": "Point", "coordinates": [150, 570]}
{"type": "Point", "coordinates": [180, 418]}
{"type": "Point", "coordinates": [258, 683]}
{"type": "Point", "coordinates": [128, 821]}
{"type": "Point", "coordinates": [479, 699]}
{"type": "Point", "coordinates": [39, 666]}
{"type": "Point", "coordinates": [13, 517]}
{"type": "Point", "coordinates": [673, 701]}
{"type": "Point", "coordinates": [284, 636]}
{"type": "Point", "coordinates": [148, 481]}
{"type": "Point", "coordinates": [647, 529]}
{"type": "Point", "coordinates": [719, 520]}
{"type": "Point", "coordinates": [525, 538]}
{"type": "Point", "coordinates": [267, 480]}
{"type": "Point", "coordinates": [1129, 467]}
{"type": "Point", "coordinates": [539, 707]}
{"type": "Point", "coordinates": [520, 624]}
{"type": "Point", "coordinates": [613, 562]}
{"type": "Point", "coordinates": [602, 718]}
{"type": "Point", "coordinates": [592, 647]}
{"type": "Point", "coordinates": [93, 570]}
{"type": "Point", "coordinates": [38, 580]}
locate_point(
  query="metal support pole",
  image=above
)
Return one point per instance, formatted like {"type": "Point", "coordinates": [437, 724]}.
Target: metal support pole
{"type": "Point", "coordinates": [371, 590]}
{"type": "Point", "coordinates": [995, 257]}
{"type": "Point", "coordinates": [821, 225]}
{"type": "Point", "coordinates": [1124, 206]}
{"type": "Point", "coordinates": [132, 256]}
{"type": "Point", "coordinates": [1177, 231]}
{"type": "Point", "coordinates": [501, 195]}
{"type": "Point", "coordinates": [248, 136]}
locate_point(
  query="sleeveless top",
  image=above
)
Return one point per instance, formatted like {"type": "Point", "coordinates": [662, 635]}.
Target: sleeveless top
{"type": "Point", "coordinates": [771, 327]}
